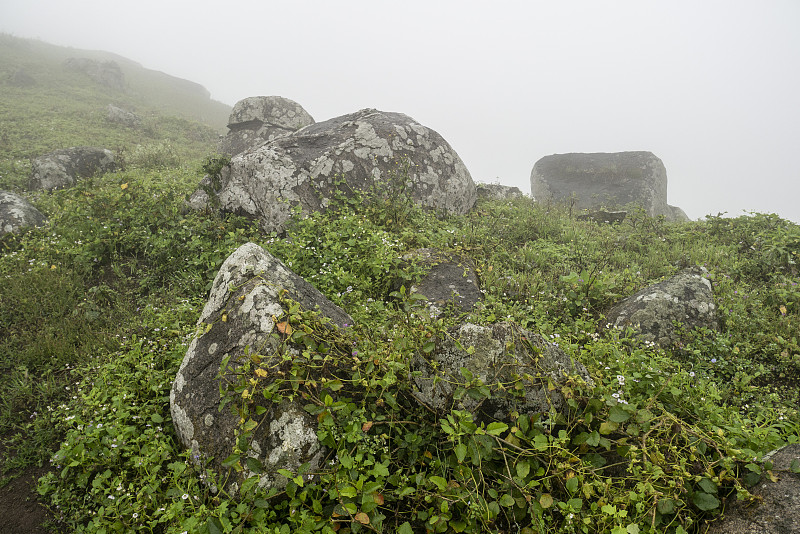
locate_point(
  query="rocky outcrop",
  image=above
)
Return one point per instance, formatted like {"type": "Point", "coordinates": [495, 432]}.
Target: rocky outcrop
{"type": "Point", "coordinates": [122, 116]}
{"type": "Point", "coordinates": [62, 168]}
{"type": "Point", "coordinates": [450, 283]}
{"type": "Point", "coordinates": [366, 149]}
{"type": "Point", "coordinates": [601, 180]}
{"type": "Point", "coordinates": [497, 192]}
{"type": "Point", "coordinates": [107, 73]}
{"type": "Point", "coordinates": [521, 369]}
{"type": "Point", "coordinates": [258, 119]}
{"type": "Point", "coordinates": [686, 298]}
{"type": "Point", "coordinates": [21, 78]}
{"type": "Point", "coordinates": [238, 321]}
{"type": "Point", "coordinates": [17, 213]}
{"type": "Point", "coordinates": [777, 509]}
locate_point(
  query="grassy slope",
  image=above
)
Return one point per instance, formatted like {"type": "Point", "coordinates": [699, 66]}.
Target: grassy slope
{"type": "Point", "coordinates": [65, 108]}
{"type": "Point", "coordinates": [105, 297]}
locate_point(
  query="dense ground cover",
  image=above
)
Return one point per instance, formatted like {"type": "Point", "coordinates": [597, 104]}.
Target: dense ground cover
{"type": "Point", "coordinates": [98, 306]}
{"type": "Point", "coordinates": [105, 298]}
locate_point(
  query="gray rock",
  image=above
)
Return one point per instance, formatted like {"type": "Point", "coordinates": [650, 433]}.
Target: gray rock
{"type": "Point", "coordinates": [518, 366]}
{"type": "Point", "coordinates": [62, 168]}
{"type": "Point", "coordinates": [237, 321]}
{"type": "Point", "coordinates": [17, 213]}
{"type": "Point", "coordinates": [677, 214]}
{"type": "Point", "coordinates": [122, 116]}
{"type": "Point", "coordinates": [21, 78]}
{"type": "Point", "coordinates": [353, 152]}
{"type": "Point", "coordinates": [258, 119]}
{"type": "Point", "coordinates": [777, 510]}
{"type": "Point", "coordinates": [497, 192]}
{"type": "Point", "coordinates": [451, 282]}
{"type": "Point", "coordinates": [686, 298]}
{"type": "Point", "coordinates": [107, 73]}
{"type": "Point", "coordinates": [600, 180]}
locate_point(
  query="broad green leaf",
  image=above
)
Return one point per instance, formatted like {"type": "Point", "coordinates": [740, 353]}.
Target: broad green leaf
{"type": "Point", "coordinates": [214, 526]}
{"type": "Point", "coordinates": [572, 485]}
{"type": "Point", "coordinates": [665, 506]}
{"type": "Point", "coordinates": [405, 528]}
{"type": "Point", "coordinates": [546, 500]}
{"type": "Point", "coordinates": [461, 452]}
{"type": "Point", "coordinates": [156, 418]}
{"type": "Point", "coordinates": [704, 501]}
{"type": "Point", "coordinates": [523, 468]}
{"type": "Point", "coordinates": [231, 460]}
{"type": "Point", "coordinates": [254, 465]}
{"type": "Point", "coordinates": [507, 501]}
{"type": "Point", "coordinates": [707, 486]}
{"type": "Point", "coordinates": [439, 481]}
{"type": "Point", "coordinates": [633, 528]}
{"type": "Point", "coordinates": [496, 428]}
{"type": "Point", "coordinates": [607, 427]}
{"type": "Point", "coordinates": [618, 415]}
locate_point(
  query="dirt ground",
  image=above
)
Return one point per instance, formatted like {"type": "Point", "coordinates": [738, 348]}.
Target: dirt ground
{"type": "Point", "coordinates": [20, 510]}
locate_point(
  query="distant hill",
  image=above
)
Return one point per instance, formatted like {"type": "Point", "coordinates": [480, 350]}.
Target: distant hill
{"type": "Point", "coordinates": [54, 97]}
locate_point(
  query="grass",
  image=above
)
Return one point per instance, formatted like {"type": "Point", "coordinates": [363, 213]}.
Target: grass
{"type": "Point", "coordinates": [100, 304]}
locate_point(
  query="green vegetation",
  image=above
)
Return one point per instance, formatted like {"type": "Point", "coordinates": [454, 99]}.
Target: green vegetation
{"type": "Point", "coordinates": [99, 306]}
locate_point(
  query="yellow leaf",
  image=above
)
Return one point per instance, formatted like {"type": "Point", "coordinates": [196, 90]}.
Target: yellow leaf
{"type": "Point", "coordinates": [362, 518]}
{"type": "Point", "coordinates": [284, 328]}
{"type": "Point", "coordinates": [224, 317]}
{"type": "Point", "coordinates": [366, 426]}
{"type": "Point", "coordinates": [124, 186]}
{"type": "Point", "coordinates": [783, 309]}
{"type": "Point", "coordinates": [261, 372]}
{"type": "Point", "coordinates": [378, 498]}
{"type": "Point", "coordinates": [546, 500]}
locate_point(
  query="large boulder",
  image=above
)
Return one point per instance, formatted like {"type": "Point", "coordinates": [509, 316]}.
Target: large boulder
{"type": "Point", "coordinates": [122, 116]}
{"type": "Point", "coordinates": [605, 180]}
{"type": "Point", "coordinates": [450, 283]}
{"type": "Point", "coordinates": [522, 370]}
{"type": "Point", "coordinates": [685, 298]}
{"type": "Point", "coordinates": [368, 148]}
{"type": "Point", "coordinates": [498, 192]}
{"type": "Point", "coordinates": [238, 321]}
{"type": "Point", "coordinates": [17, 213]}
{"type": "Point", "coordinates": [258, 119]}
{"type": "Point", "coordinates": [777, 510]}
{"type": "Point", "coordinates": [62, 168]}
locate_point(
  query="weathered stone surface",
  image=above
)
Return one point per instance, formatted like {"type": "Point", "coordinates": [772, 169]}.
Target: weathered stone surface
{"type": "Point", "coordinates": [122, 116]}
{"type": "Point", "coordinates": [366, 148]}
{"type": "Point", "coordinates": [62, 168]}
{"type": "Point", "coordinates": [17, 213]}
{"type": "Point", "coordinates": [523, 362]}
{"type": "Point", "coordinates": [237, 321]}
{"type": "Point", "coordinates": [686, 298]}
{"type": "Point", "coordinates": [258, 119]}
{"type": "Point", "coordinates": [676, 214]}
{"type": "Point", "coordinates": [451, 283]}
{"type": "Point", "coordinates": [777, 510]}
{"type": "Point", "coordinates": [497, 191]}
{"type": "Point", "coordinates": [105, 73]}
{"type": "Point", "coordinates": [602, 180]}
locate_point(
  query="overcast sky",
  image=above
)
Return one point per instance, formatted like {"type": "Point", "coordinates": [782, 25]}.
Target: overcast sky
{"type": "Point", "coordinates": [710, 87]}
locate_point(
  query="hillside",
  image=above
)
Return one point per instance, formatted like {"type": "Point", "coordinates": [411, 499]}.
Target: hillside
{"type": "Point", "coordinates": [45, 105]}
{"type": "Point", "coordinates": [99, 306]}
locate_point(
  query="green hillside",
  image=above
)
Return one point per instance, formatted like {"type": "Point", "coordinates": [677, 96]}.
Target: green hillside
{"type": "Point", "coordinates": [98, 306]}
{"type": "Point", "coordinates": [44, 106]}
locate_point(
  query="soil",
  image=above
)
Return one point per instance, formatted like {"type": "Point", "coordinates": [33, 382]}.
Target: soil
{"type": "Point", "coordinates": [21, 512]}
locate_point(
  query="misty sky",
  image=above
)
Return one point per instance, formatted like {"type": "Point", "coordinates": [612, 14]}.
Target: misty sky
{"type": "Point", "coordinates": [710, 87]}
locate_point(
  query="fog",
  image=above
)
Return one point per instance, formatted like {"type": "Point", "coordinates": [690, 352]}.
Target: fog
{"type": "Point", "coordinates": [709, 87]}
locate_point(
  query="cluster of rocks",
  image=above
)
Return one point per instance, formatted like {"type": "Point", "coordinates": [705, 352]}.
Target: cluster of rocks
{"type": "Point", "coordinates": [306, 167]}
